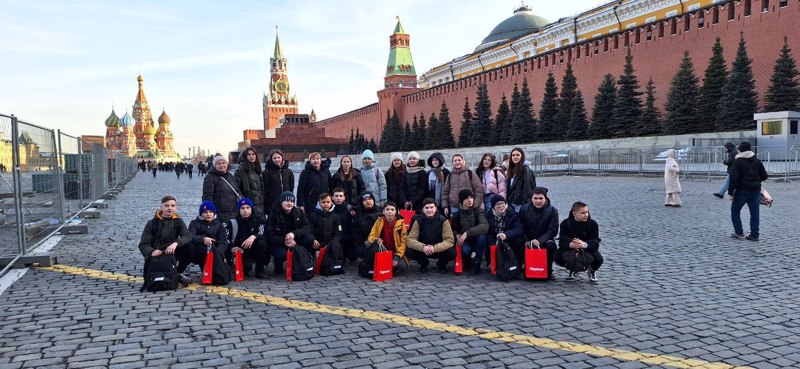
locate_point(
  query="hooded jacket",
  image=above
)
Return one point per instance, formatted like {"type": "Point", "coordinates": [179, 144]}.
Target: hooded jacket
{"type": "Point", "coordinates": [472, 221]}
{"type": "Point", "coordinates": [220, 193]}
{"type": "Point", "coordinates": [279, 224]}
{"type": "Point", "coordinates": [540, 224]}
{"type": "Point", "coordinates": [250, 181]}
{"type": "Point", "coordinates": [415, 186]}
{"type": "Point", "coordinates": [325, 226]}
{"type": "Point", "coordinates": [276, 180]}
{"type": "Point", "coordinates": [252, 226]}
{"type": "Point", "coordinates": [215, 229]}
{"type": "Point", "coordinates": [398, 233]}
{"type": "Point", "coordinates": [375, 182]}
{"type": "Point", "coordinates": [747, 173]}
{"type": "Point", "coordinates": [587, 231]}
{"type": "Point", "coordinates": [436, 177]}
{"type": "Point", "coordinates": [461, 179]}
{"type": "Point", "coordinates": [313, 182]}
{"type": "Point", "coordinates": [363, 222]}
{"type": "Point", "coordinates": [672, 172]}
{"type": "Point", "coordinates": [160, 232]}
{"type": "Point", "coordinates": [352, 188]}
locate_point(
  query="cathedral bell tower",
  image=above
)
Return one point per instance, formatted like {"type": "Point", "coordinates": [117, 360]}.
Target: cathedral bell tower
{"type": "Point", "coordinates": [278, 101]}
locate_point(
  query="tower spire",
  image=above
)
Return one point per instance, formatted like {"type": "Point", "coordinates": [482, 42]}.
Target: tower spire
{"type": "Point", "coordinates": [278, 52]}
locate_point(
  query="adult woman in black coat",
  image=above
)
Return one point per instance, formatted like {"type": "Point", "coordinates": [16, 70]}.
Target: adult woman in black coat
{"type": "Point", "coordinates": [315, 180]}
{"type": "Point", "coordinates": [395, 176]}
{"type": "Point", "coordinates": [250, 181]}
{"type": "Point", "coordinates": [520, 180]}
{"type": "Point", "coordinates": [277, 178]}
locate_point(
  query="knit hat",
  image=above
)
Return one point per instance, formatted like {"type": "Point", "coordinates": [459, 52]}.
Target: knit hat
{"type": "Point", "coordinates": [397, 155]}
{"type": "Point", "coordinates": [413, 154]}
{"type": "Point", "coordinates": [744, 146]}
{"type": "Point", "coordinates": [367, 154]}
{"type": "Point", "coordinates": [497, 198]}
{"type": "Point", "coordinates": [207, 205]}
{"type": "Point", "coordinates": [287, 196]}
{"type": "Point", "coordinates": [367, 195]}
{"type": "Point", "coordinates": [217, 159]}
{"type": "Point", "coordinates": [242, 202]}
{"type": "Point", "coordinates": [464, 194]}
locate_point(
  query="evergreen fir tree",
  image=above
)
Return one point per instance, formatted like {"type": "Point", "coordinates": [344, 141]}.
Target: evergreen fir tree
{"type": "Point", "coordinates": [392, 139]}
{"type": "Point", "coordinates": [407, 143]}
{"type": "Point", "coordinates": [603, 110]}
{"type": "Point", "coordinates": [578, 124]}
{"type": "Point", "coordinates": [567, 102]}
{"type": "Point", "coordinates": [351, 142]}
{"type": "Point", "coordinates": [417, 136]}
{"type": "Point", "coordinates": [481, 122]}
{"type": "Point", "coordinates": [432, 140]}
{"type": "Point", "coordinates": [784, 90]}
{"type": "Point", "coordinates": [651, 117]}
{"type": "Point", "coordinates": [739, 98]}
{"type": "Point", "coordinates": [714, 79]}
{"type": "Point", "coordinates": [549, 110]}
{"type": "Point", "coordinates": [424, 132]}
{"type": "Point", "coordinates": [372, 145]}
{"type": "Point", "coordinates": [358, 144]}
{"type": "Point", "coordinates": [464, 138]}
{"type": "Point", "coordinates": [386, 133]}
{"type": "Point", "coordinates": [502, 125]}
{"type": "Point", "coordinates": [516, 134]}
{"type": "Point", "coordinates": [682, 100]}
{"type": "Point", "coordinates": [446, 128]}
{"type": "Point", "coordinates": [628, 108]}
{"type": "Point", "coordinates": [528, 118]}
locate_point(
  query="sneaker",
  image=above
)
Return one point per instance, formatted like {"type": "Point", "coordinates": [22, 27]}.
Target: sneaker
{"type": "Point", "coordinates": [571, 277]}
{"type": "Point", "coordinates": [738, 236]}
{"type": "Point", "coordinates": [423, 268]}
{"type": "Point", "coordinates": [184, 279]}
{"type": "Point", "coordinates": [719, 195]}
{"type": "Point", "coordinates": [551, 276]}
{"type": "Point", "coordinates": [592, 276]}
{"type": "Point", "coordinates": [751, 238]}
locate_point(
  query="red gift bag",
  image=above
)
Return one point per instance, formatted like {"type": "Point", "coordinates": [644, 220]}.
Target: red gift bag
{"type": "Point", "coordinates": [493, 258]}
{"type": "Point", "coordinates": [239, 266]}
{"type": "Point", "coordinates": [407, 215]}
{"type": "Point", "coordinates": [208, 269]}
{"type": "Point", "coordinates": [535, 263]}
{"type": "Point", "coordinates": [459, 267]}
{"type": "Point", "coordinates": [318, 263]}
{"type": "Point", "coordinates": [383, 265]}
{"type": "Point", "coordinates": [289, 265]}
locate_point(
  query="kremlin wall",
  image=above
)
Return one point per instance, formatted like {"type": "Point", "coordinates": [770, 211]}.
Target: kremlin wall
{"type": "Point", "coordinates": [655, 32]}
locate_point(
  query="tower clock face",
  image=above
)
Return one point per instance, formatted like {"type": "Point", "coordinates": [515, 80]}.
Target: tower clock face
{"type": "Point", "coordinates": [281, 86]}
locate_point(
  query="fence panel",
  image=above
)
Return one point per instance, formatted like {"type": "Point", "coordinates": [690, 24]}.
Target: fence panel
{"type": "Point", "coordinates": [620, 160]}
{"type": "Point", "coordinates": [10, 233]}
{"type": "Point", "coordinates": [76, 167]}
{"type": "Point", "coordinates": [792, 163]}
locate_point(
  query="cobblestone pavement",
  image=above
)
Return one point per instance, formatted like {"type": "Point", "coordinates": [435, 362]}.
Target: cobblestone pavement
{"type": "Point", "coordinates": [673, 286]}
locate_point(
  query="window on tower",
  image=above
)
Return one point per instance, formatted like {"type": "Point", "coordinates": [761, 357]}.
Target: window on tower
{"type": "Point", "coordinates": [715, 15]}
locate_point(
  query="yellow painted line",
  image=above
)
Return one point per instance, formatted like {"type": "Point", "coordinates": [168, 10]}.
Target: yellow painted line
{"type": "Point", "coordinates": [488, 334]}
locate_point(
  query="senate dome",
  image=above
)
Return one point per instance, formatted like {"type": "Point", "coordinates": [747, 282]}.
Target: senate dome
{"type": "Point", "coordinates": [523, 22]}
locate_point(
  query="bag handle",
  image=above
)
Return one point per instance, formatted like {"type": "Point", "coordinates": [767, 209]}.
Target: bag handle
{"type": "Point", "coordinates": [233, 189]}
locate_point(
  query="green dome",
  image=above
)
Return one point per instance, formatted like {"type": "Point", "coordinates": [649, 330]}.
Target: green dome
{"type": "Point", "coordinates": [523, 22]}
{"type": "Point", "coordinates": [112, 120]}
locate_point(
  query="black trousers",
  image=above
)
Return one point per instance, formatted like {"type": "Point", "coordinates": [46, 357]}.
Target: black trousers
{"type": "Point", "coordinates": [257, 254]}
{"type": "Point", "coordinates": [443, 257]}
{"type": "Point", "coordinates": [598, 258]}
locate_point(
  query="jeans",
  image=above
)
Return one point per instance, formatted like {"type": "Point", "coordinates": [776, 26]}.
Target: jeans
{"type": "Point", "coordinates": [724, 189]}
{"type": "Point", "coordinates": [476, 244]}
{"type": "Point", "coordinates": [753, 201]}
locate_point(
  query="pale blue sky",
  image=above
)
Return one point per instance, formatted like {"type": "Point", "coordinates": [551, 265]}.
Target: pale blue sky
{"type": "Point", "coordinates": [63, 63]}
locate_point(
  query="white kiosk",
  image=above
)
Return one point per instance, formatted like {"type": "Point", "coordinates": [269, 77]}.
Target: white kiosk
{"type": "Point", "coordinates": [777, 132]}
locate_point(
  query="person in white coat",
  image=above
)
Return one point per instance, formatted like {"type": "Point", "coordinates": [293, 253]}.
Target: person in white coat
{"type": "Point", "coordinates": [672, 180]}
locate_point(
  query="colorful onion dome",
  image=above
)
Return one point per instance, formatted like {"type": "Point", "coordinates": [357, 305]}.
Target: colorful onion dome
{"type": "Point", "coordinates": [126, 121]}
{"type": "Point", "coordinates": [150, 130]}
{"type": "Point", "coordinates": [163, 118]}
{"type": "Point", "coordinates": [112, 120]}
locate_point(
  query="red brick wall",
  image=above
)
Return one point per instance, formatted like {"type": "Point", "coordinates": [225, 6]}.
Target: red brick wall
{"type": "Point", "coordinates": [657, 59]}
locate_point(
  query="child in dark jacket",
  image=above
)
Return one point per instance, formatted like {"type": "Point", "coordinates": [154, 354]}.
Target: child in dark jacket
{"type": "Point", "coordinates": [246, 235]}
{"type": "Point", "coordinates": [167, 234]}
{"type": "Point", "coordinates": [325, 224]}
{"type": "Point", "coordinates": [207, 231]}
{"type": "Point", "coordinates": [363, 220]}
{"type": "Point", "coordinates": [345, 212]}
{"type": "Point", "coordinates": [287, 227]}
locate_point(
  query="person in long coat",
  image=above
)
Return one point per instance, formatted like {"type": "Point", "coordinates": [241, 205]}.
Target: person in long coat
{"type": "Point", "coordinates": [251, 184]}
{"type": "Point", "coordinates": [671, 179]}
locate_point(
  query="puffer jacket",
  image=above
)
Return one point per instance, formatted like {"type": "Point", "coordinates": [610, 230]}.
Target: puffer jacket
{"type": "Point", "coordinates": [587, 231]}
{"type": "Point", "coordinates": [312, 183]}
{"type": "Point", "coordinates": [325, 226]}
{"type": "Point", "coordinates": [375, 182]}
{"type": "Point", "coordinates": [276, 180]}
{"type": "Point", "coordinates": [252, 226]}
{"type": "Point", "coordinates": [496, 183]}
{"type": "Point", "coordinates": [352, 188]}
{"type": "Point", "coordinates": [398, 233]}
{"type": "Point", "coordinates": [415, 187]}
{"type": "Point", "coordinates": [220, 193]}
{"type": "Point", "coordinates": [280, 223]}
{"type": "Point", "coordinates": [540, 224]}
{"type": "Point", "coordinates": [251, 184]}
{"type": "Point", "coordinates": [461, 179]}
{"type": "Point", "coordinates": [215, 229]}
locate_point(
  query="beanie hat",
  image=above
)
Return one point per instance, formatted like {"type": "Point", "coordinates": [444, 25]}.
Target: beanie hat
{"type": "Point", "coordinates": [367, 195]}
{"type": "Point", "coordinates": [541, 190]}
{"type": "Point", "coordinates": [497, 198]}
{"type": "Point", "coordinates": [242, 202]}
{"type": "Point", "coordinates": [744, 146]}
{"type": "Point", "coordinates": [207, 205]}
{"type": "Point", "coordinates": [287, 196]}
{"type": "Point", "coordinates": [464, 194]}
{"type": "Point", "coordinates": [367, 154]}
{"type": "Point", "coordinates": [413, 154]}
{"type": "Point", "coordinates": [217, 159]}
{"type": "Point", "coordinates": [397, 155]}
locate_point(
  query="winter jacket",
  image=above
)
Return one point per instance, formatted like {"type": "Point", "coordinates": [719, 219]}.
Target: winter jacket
{"type": "Point", "coordinates": [279, 224]}
{"type": "Point", "coordinates": [730, 151]}
{"type": "Point", "coordinates": [251, 184]}
{"type": "Point", "coordinates": [363, 222]}
{"type": "Point", "coordinates": [343, 212]}
{"type": "Point", "coordinates": [512, 225]}
{"type": "Point", "coordinates": [394, 187]}
{"type": "Point", "coordinates": [671, 173]}
{"type": "Point", "coordinates": [313, 182]}
{"type": "Point", "coordinates": [496, 183]}
{"type": "Point", "coordinates": [276, 180]}
{"type": "Point", "coordinates": [587, 231]}
{"type": "Point", "coordinates": [473, 221]}
{"type": "Point", "coordinates": [460, 179]}
{"type": "Point", "coordinates": [375, 182]}
{"type": "Point", "coordinates": [415, 187]}
{"type": "Point", "coordinates": [252, 226]}
{"type": "Point", "coordinates": [433, 230]}
{"type": "Point", "coordinates": [215, 229]}
{"type": "Point", "coordinates": [399, 233]}
{"type": "Point", "coordinates": [435, 183]}
{"type": "Point", "coordinates": [221, 194]}
{"type": "Point", "coordinates": [540, 224]}
{"type": "Point", "coordinates": [325, 226]}
{"type": "Point", "coordinates": [161, 232]}
{"type": "Point", "coordinates": [747, 173]}
{"type": "Point", "coordinates": [352, 188]}
{"type": "Point", "coordinates": [520, 190]}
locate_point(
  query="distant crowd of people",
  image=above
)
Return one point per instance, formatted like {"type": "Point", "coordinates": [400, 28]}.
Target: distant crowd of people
{"type": "Point", "coordinates": [177, 168]}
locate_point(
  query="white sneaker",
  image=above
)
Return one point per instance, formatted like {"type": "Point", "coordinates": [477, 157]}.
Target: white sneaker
{"type": "Point", "coordinates": [571, 276]}
{"type": "Point", "coordinates": [592, 276]}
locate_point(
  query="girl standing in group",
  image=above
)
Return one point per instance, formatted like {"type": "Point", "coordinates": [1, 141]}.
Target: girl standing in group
{"type": "Point", "coordinates": [494, 181]}
{"type": "Point", "coordinates": [278, 178]}
{"type": "Point", "coordinates": [350, 180]}
{"type": "Point", "coordinates": [520, 180]}
{"type": "Point", "coordinates": [415, 185]}
{"type": "Point", "coordinates": [436, 176]}
{"type": "Point", "coordinates": [395, 176]}
{"type": "Point", "coordinates": [251, 184]}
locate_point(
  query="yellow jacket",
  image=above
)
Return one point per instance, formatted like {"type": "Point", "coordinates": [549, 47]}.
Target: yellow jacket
{"type": "Point", "coordinates": [399, 234]}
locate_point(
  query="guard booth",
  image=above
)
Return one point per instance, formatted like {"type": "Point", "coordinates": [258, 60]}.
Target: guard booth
{"type": "Point", "coordinates": [777, 130]}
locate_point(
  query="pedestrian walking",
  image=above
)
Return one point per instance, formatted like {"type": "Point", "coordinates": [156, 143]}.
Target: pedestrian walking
{"type": "Point", "coordinates": [730, 151]}
{"type": "Point", "coordinates": [671, 179]}
{"type": "Point", "coordinates": [747, 173]}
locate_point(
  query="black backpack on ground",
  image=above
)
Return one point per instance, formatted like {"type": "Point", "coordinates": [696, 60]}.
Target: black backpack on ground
{"type": "Point", "coordinates": [160, 273]}
{"type": "Point", "coordinates": [302, 264]}
{"type": "Point", "coordinates": [507, 267]}
{"type": "Point", "coordinates": [221, 273]}
{"type": "Point", "coordinates": [367, 267]}
{"type": "Point", "coordinates": [577, 260]}
{"type": "Point", "coordinates": [333, 260]}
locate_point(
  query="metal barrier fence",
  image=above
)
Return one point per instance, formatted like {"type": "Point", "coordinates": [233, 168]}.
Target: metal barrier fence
{"type": "Point", "coordinates": [46, 180]}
